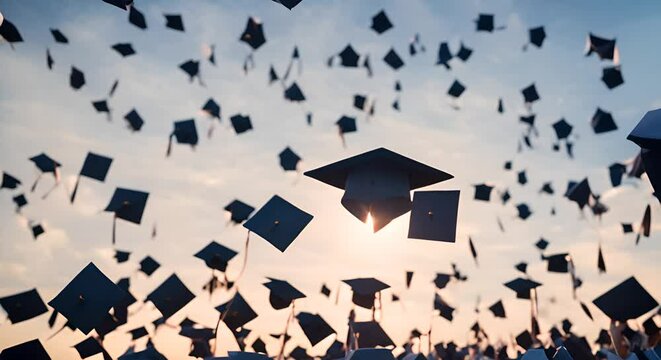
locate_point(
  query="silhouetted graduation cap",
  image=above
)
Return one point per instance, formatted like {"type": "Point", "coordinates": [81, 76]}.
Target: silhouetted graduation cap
{"type": "Point", "coordinates": [605, 48]}
{"type": "Point", "coordinates": [239, 211]}
{"type": "Point", "coordinates": [9, 32]}
{"type": "Point", "coordinates": [289, 159]}
{"type": "Point", "coordinates": [371, 354]}
{"type": "Point", "coordinates": [378, 182]}
{"type": "Point", "coordinates": [314, 327]}
{"type": "Point", "coordinates": [602, 121]}
{"type": "Point", "coordinates": [134, 120]}
{"type": "Point", "coordinates": [483, 192]}
{"type": "Point", "coordinates": [627, 300]}
{"type": "Point", "coordinates": [23, 306]}
{"type": "Point", "coordinates": [289, 4]}
{"type": "Point", "coordinates": [37, 230]}
{"type": "Point", "coordinates": [171, 296]}
{"type": "Point", "coordinates": [522, 178]}
{"type": "Point", "coordinates": [278, 222]}
{"type": "Point", "coordinates": [282, 293]}
{"type": "Point", "coordinates": [212, 108]}
{"type": "Point", "coordinates": [364, 290]}
{"type": "Point", "coordinates": [393, 59]}
{"type": "Point", "coordinates": [294, 93]}
{"type": "Point", "coordinates": [148, 265]}
{"type": "Point", "coordinates": [124, 49]}
{"type": "Point", "coordinates": [484, 22]}
{"type": "Point", "coordinates": [44, 163]}
{"type": "Point", "coordinates": [444, 55]}
{"type": "Point", "coordinates": [216, 256]}
{"type": "Point", "coordinates": [32, 350]}
{"type": "Point", "coordinates": [542, 244]}
{"type": "Point", "coordinates": [128, 205]}
{"type": "Point", "coordinates": [456, 89]}
{"type": "Point", "coordinates": [90, 347]}
{"type": "Point", "coordinates": [627, 228]}
{"type": "Point", "coordinates": [370, 334]}
{"type": "Point", "coordinates": [441, 280]}
{"type": "Point", "coordinates": [238, 311]}
{"type": "Point", "coordinates": [612, 77]}
{"type": "Point", "coordinates": [647, 133]}
{"type": "Point", "coordinates": [137, 18]}
{"type": "Point", "coordinates": [537, 35]}
{"type": "Point", "coordinates": [86, 300]}
{"type": "Point", "coordinates": [9, 182]}
{"type": "Point", "coordinates": [409, 278]}
{"type": "Point", "coordinates": [558, 263]}
{"type": "Point", "coordinates": [348, 57]}
{"type": "Point", "coordinates": [20, 201]}
{"type": "Point", "coordinates": [359, 101]}
{"type": "Point", "coordinates": [76, 78]}
{"type": "Point", "coordinates": [346, 124]}
{"type": "Point", "coordinates": [601, 263]}
{"type": "Point", "coordinates": [185, 132]}
{"type": "Point", "coordinates": [523, 211]}
{"type": "Point", "coordinates": [253, 34]}
{"type": "Point", "coordinates": [579, 192]}
{"type": "Point", "coordinates": [58, 36]}
{"type": "Point", "coordinates": [501, 108]}
{"type": "Point", "coordinates": [259, 346]}
{"type": "Point", "coordinates": [525, 340]}
{"type": "Point", "coordinates": [325, 290]}
{"type": "Point", "coordinates": [498, 309]}
{"type": "Point", "coordinates": [464, 52]}
{"type": "Point", "coordinates": [381, 23]}
{"type": "Point", "coordinates": [530, 94]}
{"type": "Point", "coordinates": [49, 60]}
{"type": "Point", "coordinates": [241, 123]}
{"type": "Point", "coordinates": [101, 106]}
{"type": "Point", "coordinates": [95, 167]}
{"type": "Point", "coordinates": [522, 287]}
{"type": "Point", "coordinates": [434, 215]}
{"type": "Point", "coordinates": [192, 68]}
{"type": "Point", "coordinates": [174, 22]}
{"type": "Point", "coordinates": [121, 256]}
{"type": "Point", "coordinates": [522, 267]}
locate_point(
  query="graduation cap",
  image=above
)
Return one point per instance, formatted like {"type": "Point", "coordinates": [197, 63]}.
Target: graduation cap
{"type": "Point", "coordinates": [483, 192]}
{"type": "Point", "coordinates": [289, 159]}
{"type": "Point", "coordinates": [32, 350]}
{"type": "Point", "coordinates": [445, 311]}
{"type": "Point", "coordinates": [627, 300]}
{"type": "Point", "coordinates": [434, 215]}
{"type": "Point", "coordinates": [615, 172]}
{"type": "Point", "coordinates": [128, 205]}
{"type": "Point", "coordinates": [579, 192]}
{"type": "Point", "coordinates": [381, 23]}
{"type": "Point", "coordinates": [530, 94]}
{"type": "Point", "coordinates": [536, 36]}
{"type": "Point", "coordinates": [212, 108]}
{"type": "Point", "coordinates": [101, 106]}
{"type": "Point", "coordinates": [95, 167]}
{"type": "Point", "coordinates": [348, 57]}
{"type": "Point", "coordinates": [602, 121]}
{"type": "Point", "coordinates": [604, 48]}
{"type": "Point", "coordinates": [612, 77]}
{"type": "Point", "coordinates": [185, 132]}
{"type": "Point", "coordinates": [627, 228]}
{"type": "Point", "coordinates": [393, 59]}
{"type": "Point", "coordinates": [364, 290]}
{"type": "Point", "coordinates": [378, 183]}
{"type": "Point", "coordinates": [86, 300]}
{"type": "Point", "coordinates": [59, 37]}
{"type": "Point", "coordinates": [456, 89]}
{"type": "Point", "coordinates": [76, 78]}
{"type": "Point", "coordinates": [523, 211]}
{"type": "Point", "coordinates": [20, 201]}
{"type": "Point", "coordinates": [23, 306]}
{"type": "Point", "coordinates": [498, 309]}
{"type": "Point", "coordinates": [314, 327]}
{"type": "Point", "coordinates": [259, 346]}
{"type": "Point", "coordinates": [501, 108]}
{"type": "Point", "coordinates": [9, 32]}
{"type": "Point", "coordinates": [282, 293]}
{"type": "Point", "coordinates": [484, 22]}
{"type": "Point", "coordinates": [558, 263]}
{"type": "Point", "coordinates": [137, 18]}
{"type": "Point", "coordinates": [134, 120]}
{"type": "Point", "coordinates": [359, 101]}
{"type": "Point", "coordinates": [522, 178]}
{"type": "Point", "coordinates": [472, 249]}
{"type": "Point", "coordinates": [522, 287]}
{"type": "Point", "coordinates": [216, 256]}
{"type": "Point", "coordinates": [121, 256]}
{"type": "Point", "coordinates": [345, 125]}
{"type": "Point", "coordinates": [9, 182]}
{"type": "Point", "coordinates": [371, 354]}
{"type": "Point", "coordinates": [647, 133]}
{"type": "Point", "coordinates": [522, 267]}
{"type": "Point", "coordinates": [505, 196]}
{"type": "Point", "coordinates": [253, 34]}
{"type": "Point", "coordinates": [525, 340]}
{"type": "Point", "coordinates": [289, 4]}
{"type": "Point", "coordinates": [409, 278]}
{"type": "Point", "coordinates": [278, 222]}
{"type": "Point", "coordinates": [325, 290]}
{"type": "Point", "coordinates": [124, 49]}
{"type": "Point", "coordinates": [236, 312]}
{"type": "Point", "coordinates": [370, 334]}
{"type": "Point", "coordinates": [444, 55]}
{"type": "Point", "coordinates": [148, 265]}
{"type": "Point", "coordinates": [49, 60]}
{"type": "Point", "coordinates": [138, 333]}
{"type": "Point", "coordinates": [192, 68]}
{"type": "Point", "coordinates": [45, 164]}
{"type": "Point", "coordinates": [241, 123]}
{"type": "Point", "coordinates": [294, 93]}
{"type": "Point", "coordinates": [174, 22]}
{"type": "Point", "coordinates": [171, 296]}
{"type": "Point", "coordinates": [542, 244]}
{"type": "Point", "coordinates": [547, 188]}
{"type": "Point", "coordinates": [273, 76]}
{"type": "Point", "coordinates": [37, 230]}
{"type": "Point", "coordinates": [441, 280]}
{"type": "Point", "coordinates": [90, 347]}
{"type": "Point", "coordinates": [239, 211]}
{"type": "Point", "coordinates": [464, 52]}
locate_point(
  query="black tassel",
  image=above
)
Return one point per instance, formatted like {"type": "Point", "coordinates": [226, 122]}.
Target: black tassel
{"type": "Point", "coordinates": [75, 189]}
{"type": "Point", "coordinates": [169, 150]}
{"type": "Point", "coordinates": [34, 185]}
{"type": "Point", "coordinates": [114, 226]}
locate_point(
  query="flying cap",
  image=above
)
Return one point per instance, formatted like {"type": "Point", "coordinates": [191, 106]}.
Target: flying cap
{"type": "Point", "coordinates": [434, 215]}
{"type": "Point", "coordinates": [364, 290]}
{"type": "Point", "coordinates": [627, 300]}
{"type": "Point", "coordinates": [171, 296]}
{"type": "Point", "coordinates": [282, 293]}
{"type": "Point", "coordinates": [278, 222]}
{"type": "Point", "coordinates": [236, 312]}
{"type": "Point", "coordinates": [314, 327]}
{"type": "Point", "coordinates": [23, 306]}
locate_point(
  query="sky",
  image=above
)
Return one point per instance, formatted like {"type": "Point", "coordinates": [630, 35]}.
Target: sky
{"type": "Point", "coordinates": [39, 112]}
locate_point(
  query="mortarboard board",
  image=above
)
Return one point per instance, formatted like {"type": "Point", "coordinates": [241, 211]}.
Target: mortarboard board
{"type": "Point", "coordinates": [9, 182]}
{"type": "Point", "coordinates": [522, 267]}
{"type": "Point", "coordinates": [314, 327]}
{"type": "Point", "coordinates": [101, 106]}
{"type": "Point", "coordinates": [94, 167]}
{"type": "Point", "coordinates": [537, 35]}
{"type": "Point", "coordinates": [212, 108]}
{"type": "Point", "coordinates": [628, 300]}
{"type": "Point", "coordinates": [171, 296]}
{"type": "Point", "coordinates": [325, 290]}
{"type": "Point", "coordinates": [346, 124]}
{"type": "Point", "coordinates": [522, 178]}
{"type": "Point", "coordinates": [370, 334]}
{"type": "Point", "coordinates": [602, 121]}
{"type": "Point", "coordinates": [241, 123]}
{"type": "Point", "coordinates": [239, 211]}
{"type": "Point", "coordinates": [185, 132]}
{"type": "Point", "coordinates": [522, 287]}
{"type": "Point", "coordinates": [566, 326]}
{"type": "Point", "coordinates": [174, 22]}
{"type": "Point", "coordinates": [289, 4]}
{"type": "Point", "coordinates": [393, 59]}
{"type": "Point", "coordinates": [253, 34]}
{"type": "Point", "coordinates": [259, 346]}
{"type": "Point", "coordinates": [523, 211]}
{"type": "Point", "coordinates": [409, 278]}
{"type": "Point", "coordinates": [294, 93]}
{"type": "Point", "coordinates": [23, 306]}
{"type": "Point", "coordinates": [484, 22]}
{"type": "Point", "coordinates": [273, 76]}
{"type": "Point", "coordinates": [278, 222]}
{"type": "Point", "coordinates": [381, 23]}
{"type": "Point", "coordinates": [371, 354]}
{"type": "Point", "coordinates": [20, 201]}
{"type": "Point", "coordinates": [586, 310]}
{"type": "Point", "coordinates": [612, 77]}
{"type": "Point", "coordinates": [113, 88]}
{"type": "Point", "coordinates": [530, 94]}
{"type": "Point", "coordinates": [498, 309]}
{"type": "Point", "coordinates": [627, 228]}
{"type": "Point", "coordinates": [464, 52]}
{"type": "Point", "coordinates": [445, 310]}
{"type": "Point", "coordinates": [76, 78]}
{"type": "Point", "coordinates": [647, 133]}
{"type": "Point", "coordinates": [547, 188]}
{"type": "Point", "coordinates": [9, 32]}
{"type": "Point", "coordinates": [137, 18]}
{"type": "Point", "coordinates": [90, 347]}
{"type": "Point", "coordinates": [456, 89]}
{"type": "Point", "coordinates": [444, 55]}
{"type": "Point", "coordinates": [508, 165]}
{"type": "Point", "coordinates": [605, 48]}
{"type": "Point", "coordinates": [45, 163]}
{"type": "Point", "coordinates": [37, 230]}
{"type": "Point", "coordinates": [148, 265]}
{"type": "Point", "coordinates": [86, 300]}
{"type": "Point", "coordinates": [216, 256]}
{"type": "Point", "coordinates": [32, 350]}
{"type": "Point", "coordinates": [124, 49]}
{"type": "Point", "coordinates": [601, 263]}
{"type": "Point", "coordinates": [192, 68]}
{"type": "Point", "coordinates": [434, 215]}
{"type": "Point", "coordinates": [558, 263]}
{"type": "Point", "coordinates": [236, 312]}
{"type": "Point", "coordinates": [134, 120]}
{"type": "Point", "coordinates": [579, 192]}
{"type": "Point", "coordinates": [128, 205]}
{"type": "Point", "coordinates": [524, 339]}
{"type": "Point", "coordinates": [441, 280]}
{"type": "Point", "coordinates": [364, 290]}
{"type": "Point", "coordinates": [121, 256]}
{"type": "Point", "coordinates": [282, 293]}
{"type": "Point", "coordinates": [359, 101]}
{"type": "Point", "coordinates": [349, 57]}
{"type": "Point", "coordinates": [59, 37]}
{"type": "Point", "coordinates": [578, 348]}
{"type": "Point", "coordinates": [541, 244]}
{"type": "Point", "coordinates": [482, 192]}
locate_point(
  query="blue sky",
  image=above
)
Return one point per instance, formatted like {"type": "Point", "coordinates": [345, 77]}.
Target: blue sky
{"type": "Point", "coordinates": [39, 112]}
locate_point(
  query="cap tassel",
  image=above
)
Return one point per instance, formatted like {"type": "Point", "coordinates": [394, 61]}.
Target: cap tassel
{"type": "Point", "coordinates": [221, 317]}
{"type": "Point", "coordinates": [34, 185]}
{"type": "Point", "coordinates": [169, 150]}
{"type": "Point", "coordinates": [75, 189]}
{"type": "Point", "coordinates": [114, 227]}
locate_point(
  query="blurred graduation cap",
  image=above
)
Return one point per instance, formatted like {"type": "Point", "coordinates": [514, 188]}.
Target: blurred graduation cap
{"type": "Point", "coordinates": [289, 4]}
{"type": "Point", "coordinates": [542, 244]}
{"type": "Point", "coordinates": [121, 256]}
{"type": "Point", "coordinates": [192, 68]}
{"type": "Point", "coordinates": [434, 215]}
{"type": "Point", "coordinates": [348, 57]}
{"type": "Point", "coordinates": [45, 164]}
{"type": "Point", "coordinates": [171, 296]}
{"type": "Point", "coordinates": [128, 205]}
{"type": "Point", "coordinates": [23, 306]}
{"type": "Point", "coordinates": [314, 327]}
{"type": "Point", "coordinates": [86, 300]}
{"type": "Point", "coordinates": [90, 347]}
{"type": "Point", "coordinates": [236, 312]}
{"type": "Point", "coordinates": [124, 49]}
{"type": "Point", "coordinates": [530, 94]}
{"type": "Point", "coordinates": [282, 293]}
{"type": "Point", "coordinates": [485, 22]}
{"type": "Point", "coordinates": [148, 265]}
{"type": "Point", "coordinates": [101, 106]}
{"type": "Point", "coordinates": [558, 263]}
{"type": "Point", "coordinates": [445, 310]}
{"type": "Point", "coordinates": [137, 18]}
{"type": "Point", "coordinates": [278, 222]}
{"type": "Point", "coordinates": [501, 107]}
{"type": "Point", "coordinates": [216, 256]}
{"type": "Point", "coordinates": [37, 230]}
{"type": "Point", "coordinates": [523, 211]}
{"type": "Point", "coordinates": [547, 188]}
{"type": "Point", "coordinates": [464, 52]}
{"type": "Point", "coordinates": [612, 77]}
{"type": "Point", "coordinates": [134, 120]}
{"type": "Point", "coordinates": [241, 123]}
{"type": "Point", "coordinates": [95, 167]}
{"type": "Point", "coordinates": [483, 192]}
{"type": "Point", "coordinates": [409, 278]}
{"type": "Point", "coordinates": [253, 34]}
{"type": "Point", "coordinates": [522, 267]}
{"type": "Point", "coordinates": [273, 76]}
{"type": "Point", "coordinates": [9, 182]}
{"type": "Point", "coordinates": [185, 132]}
{"type": "Point", "coordinates": [441, 280]}
{"type": "Point", "coordinates": [9, 32]}
{"type": "Point", "coordinates": [20, 201]}
{"type": "Point", "coordinates": [76, 78]}
{"type": "Point", "coordinates": [212, 108]}
{"type": "Point", "coordinates": [604, 48]}
{"type": "Point", "coordinates": [59, 37]}
{"type": "Point", "coordinates": [364, 290]}
{"type": "Point", "coordinates": [444, 55]}
{"type": "Point", "coordinates": [49, 60]}
{"type": "Point", "coordinates": [239, 211]}
{"type": "Point", "coordinates": [536, 36]}
{"type": "Point", "coordinates": [174, 22]}
{"type": "Point", "coordinates": [602, 121]}
{"type": "Point", "coordinates": [522, 178]}
{"type": "Point", "coordinates": [381, 23]}
{"type": "Point", "coordinates": [370, 334]}
{"type": "Point", "coordinates": [32, 350]}
{"type": "Point", "coordinates": [645, 224]}
{"type": "Point", "coordinates": [393, 60]}
{"type": "Point", "coordinates": [138, 333]}
{"type": "Point", "coordinates": [647, 133]}
{"type": "Point", "coordinates": [615, 172]}
{"type": "Point", "coordinates": [505, 196]}
{"type": "Point", "coordinates": [377, 183]}
{"type": "Point", "coordinates": [294, 93]}
{"type": "Point", "coordinates": [289, 159]}
{"type": "Point", "coordinates": [627, 300]}
{"type": "Point", "coordinates": [525, 340]}
{"type": "Point", "coordinates": [522, 287]}
{"type": "Point", "coordinates": [345, 125]}
{"type": "Point", "coordinates": [456, 89]}
{"type": "Point", "coordinates": [579, 192]}
{"type": "Point", "coordinates": [325, 290]}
